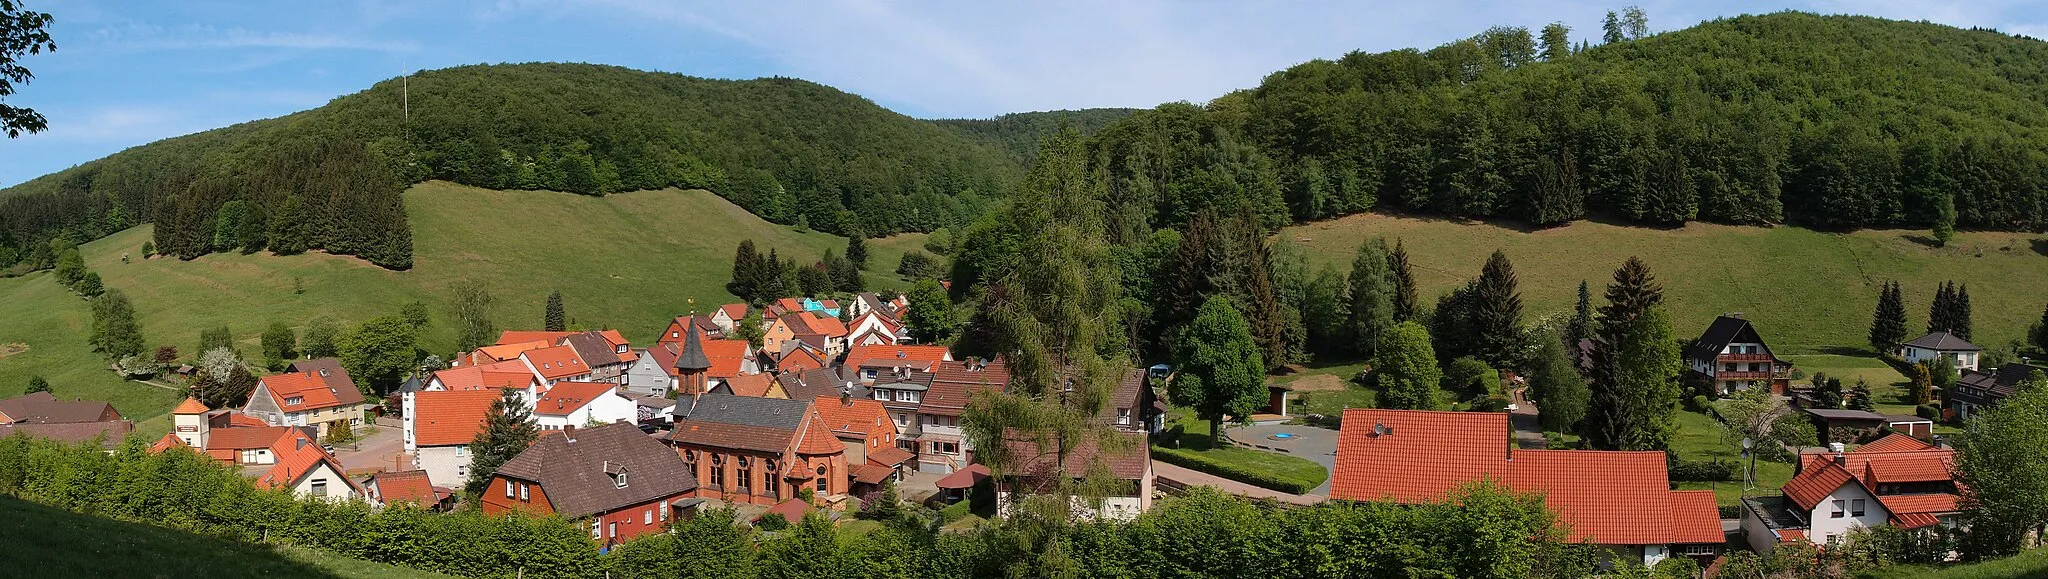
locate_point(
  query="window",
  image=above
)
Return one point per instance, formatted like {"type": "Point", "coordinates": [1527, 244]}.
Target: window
{"type": "Point", "coordinates": [596, 532]}
{"type": "Point", "coordinates": [882, 395]}
{"type": "Point", "coordinates": [525, 493]}
{"type": "Point", "coordinates": [664, 512]}
{"type": "Point", "coordinates": [902, 419]}
{"type": "Point", "coordinates": [319, 487]}
{"type": "Point", "coordinates": [461, 470]}
{"type": "Point", "coordinates": [1123, 416]}
{"type": "Point", "coordinates": [1699, 549]}
{"type": "Point", "coordinates": [717, 472]}
{"type": "Point", "coordinates": [612, 528]}
{"type": "Point", "coordinates": [508, 489]}
{"type": "Point", "coordinates": [821, 484]}
{"type": "Point", "coordinates": [746, 475]}
{"type": "Point", "coordinates": [770, 484]}
{"type": "Point", "coordinates": [294, 400]}
{"type": "Point", "coordinates": [647, 517]}
{"type": "Point", "coordinates": [1836, 513]}
{"type": "Point", "coordinates": [1728, 367]}
{"type": "Point", "coordinates": [461, 451]}
{"type": "Point", "coordinates": [1856, 508]}
{"type": "Point", "coordinates": [619, 481]}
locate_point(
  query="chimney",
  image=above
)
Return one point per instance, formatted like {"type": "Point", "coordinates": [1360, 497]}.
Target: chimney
{"type": "Point", "coordinates": [846, 393]}
{"type": "Point", "coordinates": [569, 433]}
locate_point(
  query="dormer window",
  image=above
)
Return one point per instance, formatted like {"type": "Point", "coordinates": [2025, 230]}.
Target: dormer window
{"type": "Point", "coordinates": [295, 400]}
{"type": "Point", "coordinates": [619, 480]}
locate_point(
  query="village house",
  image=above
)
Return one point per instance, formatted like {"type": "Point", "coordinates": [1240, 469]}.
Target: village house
{"type": "Point", "coordinates": [873, 328]}
{"type": "Point", "coordinates": [320, 395]}
{"type": "Point", "coordinates": [727, 317]}
{"type": "Point", "coordinates": [583, 404]}
{"type": "Point", "coordinates": [822, 332]}
{"type": "Point", "coordinates": [869, 436]}
{"type": "Point", "coordinates": [1135, 406]}
{"type": "Point", "coordinates": [706, 324]}
{"type": "Point", "coordinates": [1730, 355]}
{"type": "Point", "coordinates": [1619, 501]}
{"type": "Point", "coordinates": [228, 436]}
{"type": "Point", "coordinates": [755, 385]}
{"type": "Point", "coordinates": [513, 374]}
{"type": "Point", "coordinates": [1959, 352]}
{"type": "Point", "coordinates": [798, 356]}
{"type": "Point", "coordinates": [872, 360]}
{"type": "Point", "coordinates": [109, 433]}
{"type": "Point", "coordinates": [1896, 480]}
{"type": "Point", "coordinates": [439, 424]}
{"type": "Point", "coordinates": [407, 486]}
{"type": "Point", "coordinates": [650, 374]}
{"type": "Point", "coordinates": [556, 364]}
{"type": "Point", "coordinates": [45, 408]}
{"type": "Point", "coordinates": [614, 479]}
{"type": "Point", "coordinates": [306, 469]}
{"type": "Point", "coordinates": [607, 359]}
{"type": "Point", "coordinates": [758, 450]}
{"type": "Point", "coordinates": [1978, 390]}
{"type": "Point", "coordinates": [1039, 470]}
{"type": "Point", "coordinates": [940, 445]}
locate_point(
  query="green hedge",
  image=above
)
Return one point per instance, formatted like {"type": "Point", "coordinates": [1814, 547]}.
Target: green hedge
{"type": "Point", "coordinates": [1195, 460]}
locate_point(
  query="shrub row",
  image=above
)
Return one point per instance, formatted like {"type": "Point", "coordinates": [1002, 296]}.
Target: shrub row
{"type": "Point", "coordinates": [1703, 471]}
{"type": "Point", "coordinates": [1195, 460]}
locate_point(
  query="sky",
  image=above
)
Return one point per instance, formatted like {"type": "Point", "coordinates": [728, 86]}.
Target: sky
{"type": "Point", "coordinates": [129, 73]}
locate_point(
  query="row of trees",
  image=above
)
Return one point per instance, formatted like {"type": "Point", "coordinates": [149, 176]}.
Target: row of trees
{"type": "Point", "coordinates": [759, 279]}
{"type": "Point", "coordinates": [1950, 313]}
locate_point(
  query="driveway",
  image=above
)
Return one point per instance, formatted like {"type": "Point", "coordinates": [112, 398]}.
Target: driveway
{"type": "Point", "coordinates": [1316, 444]}
{"type": "Point", "coordinates": [375, 451]}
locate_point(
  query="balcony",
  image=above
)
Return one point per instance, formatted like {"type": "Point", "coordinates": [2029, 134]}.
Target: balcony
{"type": "Point", "coordinates": [1744, 358]}
{"type": "Point", "coordinates": [1746, 375]}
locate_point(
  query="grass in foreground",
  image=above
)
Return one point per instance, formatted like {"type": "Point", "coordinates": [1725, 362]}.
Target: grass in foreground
{"type": "Point", "coordinates": [629, 261]}
{"type": "Point", "coordinates": [50, 542]}
{"type": "Point", "coordinates": [2029, 565]}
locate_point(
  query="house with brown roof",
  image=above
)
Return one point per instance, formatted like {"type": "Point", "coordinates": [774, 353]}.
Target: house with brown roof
{"type": "Point", "coordinates": [1959, 352]}
{"type": "Point", "coordinates": [1731, 355]}
{"type": "Point", "coordinates": [306, 469]}
{"type": "Point", "coordinates": [798, 356]}
{"type": "Point", "coordinates": [438, 426]}
{"type": "Point", "coordinates": [929, 419]}
{"type": "Point", "coordinates": [871, 361]}
{"type": "Point", "coordinates": [407, 486]}
{"type": "Point", "coordinates": [870, 438]}
{"type": "Point", "coordinates": [758, 450]}
{"type": "Point", "coordinates": [109, 433]}
{"type": "Point", "coordinates": [1977, 390]}
{"type": "Point", "coordinates": [321, 396]}
{"type": "Point", "coordinates": [1135, 406]}
{"type": "Point", "coordinates": [618, 481]}
{"type": "Point", "coordinates": [45, 408]}
{"type": "Point", "coordinates": [1896, 480]}
{"type": "Point", "coordinates": [728, 316]}
{"type": "Point", "coordinates": [822, 332]}
{"type": "Point", "coordinates": [1619, 501]}
{"type": "Point", "coordinates": [673, 334]}
{"type": "Point", "coordinates": [1039, 468]}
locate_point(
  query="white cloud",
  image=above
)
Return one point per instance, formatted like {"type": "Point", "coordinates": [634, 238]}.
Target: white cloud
{"type": "Point", "coordinates": [138, 37]}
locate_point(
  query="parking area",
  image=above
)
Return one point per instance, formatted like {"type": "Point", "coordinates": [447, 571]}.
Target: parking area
{"type": "Point", "coordinates": [1316, 444]}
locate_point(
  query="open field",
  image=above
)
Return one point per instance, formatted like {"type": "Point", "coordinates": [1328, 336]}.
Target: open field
{"type": "Point", "coordinates": [629, 261]}
{"type": "Point", "coordinates": [1809, 292]}
{"type": "Point", "coordinates": [50, 542]}
{"type": "Point", "coordinates": [2029, 565]}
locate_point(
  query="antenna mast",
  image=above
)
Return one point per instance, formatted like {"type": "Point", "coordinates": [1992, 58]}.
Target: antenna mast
{"type": "Point", "coordinates": [405, 94]}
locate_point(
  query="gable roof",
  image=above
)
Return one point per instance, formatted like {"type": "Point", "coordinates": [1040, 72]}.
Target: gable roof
{"type": "Point", "coordinates": [1603, 497]}
{"type": "Point", "coordinates": [555, 362]}
{"type": "Point", "coordinates": [727, 357]}
{"type": "Point", "coordinates": [882, 355]}
{"type": "Point", "coordinates": [567, 397]}
{"type": "Point", "coordinates": [1723, 331]}
{"type": "Point", "coordinates": [801, 358]}
{"type": "Point", "coordinates": [405, 486]}
{"type": "Point", "coordinates": [593, 348]}
{"type": "Point", "coordinates": [755, 385]}
{"type": "Point", "coordinates": [735, 311]}
{"type": "Point", "coordinates": [504, 352]}
{"type": "Point", "coordinates": [299, 456]}
{"type": "Point", "coordinates": [312, 391]}
{"type": "Point", "coordinates": [517, 336]}
{"type": "Point", "coordinates": [512, 374]}
{"type": "Point", "coordinates": [1893, 442]}
{"type": "Point", "coordinates": [329, 369]}
{"type": "Point", "coordinates": [113, 431]}
{"type": "Point", "coordinates": [1943, 341]}
{"type": "Point", "coordinates": [44, 407]}
{"type": "Point", "coordinates": [246, 437]}
{"type": "Point", "coordinates": [2000, 383]}
{"type": "Point", "coordinates": [741, 422]}
{"type": "Point", "coordinates": [450, 417]}
{"type": "Point", "coordinates": [1820, 474]}
{"type": "Point", "coordinates": [826, 326]}
{"type": "Point", "coordinates": [577, 470]}
{"type": "Point", "coordinates": [1130, 463]}
{"type": "Point", "coordinates": [817, 383]}
{"type": "Point", "coordinates": [857, 417]}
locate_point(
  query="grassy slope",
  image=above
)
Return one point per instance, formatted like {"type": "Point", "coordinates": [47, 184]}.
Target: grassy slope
{"type": "Point", "coordinates": [54, 543]}
{"type": "Point", "coordinates": [2029, 565]}
{"type": "Point", "coordinates": [629, 261]}
{"type": "Point", "coordinates": [1809, 292]}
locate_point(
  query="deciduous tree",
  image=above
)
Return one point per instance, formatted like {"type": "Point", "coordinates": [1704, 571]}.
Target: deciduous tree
{"type": "Point", "coordinates": [1558, 389]}
{"type": "Point", "coordinates": [1406, 369]}
{"type": "Point", "coordinates": [279, 344]}
{"type": "Point", "coordinates": [2002, 472]}
{"type": "Point", "coordinates": [379, 353]}
{"type": "Point", "coordinates": [1370, 290]}
{"type": "Point", "coordinates": [23, 32]}
{"type": "Point", "coordinates": [931, 319]}
{"type": "Point", "coordinates": [1219, 370]}
{"type": "Point", "coordinates": [472, 315]}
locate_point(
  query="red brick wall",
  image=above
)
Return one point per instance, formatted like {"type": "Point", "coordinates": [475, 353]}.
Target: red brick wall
{"type": "Point", "coordinates": [756, 487]}
{"type": "Point", "coordinates": [631, 521]}
{"type": "Point", "coordinates": [495, 503]}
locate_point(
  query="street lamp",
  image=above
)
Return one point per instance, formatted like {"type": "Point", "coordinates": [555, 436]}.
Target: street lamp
{"type": "Point", "coordinates": [1749, 474]}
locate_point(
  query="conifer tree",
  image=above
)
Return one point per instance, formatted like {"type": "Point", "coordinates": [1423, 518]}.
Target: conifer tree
{"type": "Point", "coordinates": [1922, 385]}
{"type": "Point", "coordinates": [1859, 397]}
{"type": "Point", "coordinates": [1370, 292]}
{"type": "Point", "coordinates": [1558, 388]}
{"type": "Point", "coordinates": [1635, 386]}
{"type": "Point", "coordinates": [508, 429]}
{"type": "Point", "coordinates": [1497, 313]}
{"type": "Point", "coordinates": [1581, 326]}
{"type": "Point", "coordinates": [2039, 334]}
{"type": "Point", "coordinates": [1888, 325]}
{"type": "Point", "coordinates": [768, 280]}
{"type": "Point", "coordinates": [1259, 300]}
{"type": "Point", "coordinates": [1405, 300]}
{"type": "Point", "coordinates": [857, 250]}
{"type": "Point", "coordinates": [746, 273]}
{"type": "Point", "coordinates": [1960, 318]}
{"type": "Point", "coordinates": [555, 320]}
{"type": "Point", "coordinates": [1940, 313]}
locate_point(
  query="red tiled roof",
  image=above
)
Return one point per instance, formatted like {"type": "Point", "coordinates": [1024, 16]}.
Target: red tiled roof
{"type": "Point", "coordinates": [856, 416]}
{"type": "Point", "coordinates": [556, 362]}
{"type": "Point", "coordinates": [503, 352]}
{"type": "Point", "coordinates": [824, 325]}
{"type": "Point", "coordinates": [921, 357]}
{"type": "Point", "coordinates": [567, 397]}
{"type": "Point", "coordinates": [964, 478]}
{"type": "Point", "coordinates": [1910, 466]}
{"type": "Point", "coordinates": [1914, 520]}
{"type": "Point", "coordinates": [1935, 503]}
{"type": "Point", "coordinates": [308, 389]}
{"type": "Point", "coordinates": [799, 360]}
{"type": "Point", "coordinates": [239, 419]}
{"type": "Point", "coordinates": [169, 440]}
{"type": "Point", "coordinates": [734, 311]}
{"type": "Point", "coordinates": [726, 356]}
{"type": "Point", "coordinates": [1816, 479]}
{"type": "Point", "coordinates": [993, 373]}
{"type": "Point", "coordinates": [755, 385]}
{"type": "Point", "coordinates": [871, 474]}
{"type": "Point", "coordinates": [1894, 442]}
{"type": "Point", "coordinates": [1601, 495]}
{"type": "Point", "coordinates": [1425, 455]}
{"type": "Point", "coordinates": [297, 456]}
{"type": "Point", "coordinates": [509, 374]}
{"type": "Point", "coordinates": [446, 418]}
{"type": "Point", "coordinates": [791, 510]}
{"type": "Point", "coordinates": [1791, 536]}
{"type": "Point", "coordinates": [816, 437]}
{"type": "Point", "coordinates": [190, 406]}
{"type": "Point", "coordinates": [892, 456]}
{"type": "Point", "coordinates": [1129, 464]}
{"type": "Point", "coordinates": [243, 438]}
{"type": "Point", "coordinates": [1695, 518]}
{"type": "Point", "coordinates": [517, 336]}
{"type": "Point", "coordinates": [406, 485]}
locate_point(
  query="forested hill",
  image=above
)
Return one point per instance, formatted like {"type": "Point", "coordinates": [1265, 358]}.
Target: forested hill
{"type": "Point", "coordinates": [786, 149]}
{"type": "Point", "coordinates": [1832, 122]}
{"type": "Point", "coordinates": [1019, 133]}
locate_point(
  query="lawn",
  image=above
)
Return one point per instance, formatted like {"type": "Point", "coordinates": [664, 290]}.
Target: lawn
{"type": "Point", "coordinates": [630, 261]}
{"type": "Point", "coordinates": [49, 542]}
{"type": "Point", "coordinates": [2029, 565]}
{"type": "Point", "coordinates": [1194, 438]}
{"type": "Point", "coordinates": [1809, 292]}
{"type": "Point", "coordinates": [1699, 438]}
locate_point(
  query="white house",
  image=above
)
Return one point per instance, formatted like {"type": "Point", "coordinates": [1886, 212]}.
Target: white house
{"type": "Point", "coordinates": [1896, 480]}
{"type": "Point", "coordinates": [306, 468]}
{"type": "Point", "coordinates": [439, 425]}
{"type": "Point", "coordinates": [1941, 345]}
{"type": "Point", "coordinates": [1040, 471]}
{"type": "Point", "coordinates": [583, 403]}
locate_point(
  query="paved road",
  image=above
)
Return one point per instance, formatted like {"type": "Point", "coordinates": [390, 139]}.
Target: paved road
{"type": "Point", "coordinates": [1164, 471]}
{"type": "Point", "coordinates": [1316, 444]}
{"type": "Point", "coordinates": [374, 451]}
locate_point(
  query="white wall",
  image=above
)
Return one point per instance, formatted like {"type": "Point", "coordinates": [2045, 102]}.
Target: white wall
{"type": "Point", "coordinates": [1821, 524]}
{"type": "Point", "coordinates": [1756, 533]}
{"type": "Point", "coordinates": [337, 485]}
{"type": "Point", "coordinates": [446, 466]}
{"type": "Point", "coordinates": [606, 408]}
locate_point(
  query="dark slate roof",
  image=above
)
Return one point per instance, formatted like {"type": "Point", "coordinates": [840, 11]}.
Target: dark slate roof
{"type": "Point", "coordinates": [1845, 414]}
{"type": "Point", "coordinates": [819, 382]}
{"type": "Point", "coordinates": [44, 407]}
{"type": "Point", "coordinates": [574, 474]}
{"type": "Point", "coordinates": [1724, 330]}
{"type": "Point", "coordinates": [2001, 383]}
{"type": "Point", "coordinates": [73, 432]}
{"type": "Point", "coordinates": [746, 411]}
{"type": "Point", "coordinates": [1130, 391]}
{"type": "Point", "coordinates": [1943, 341]}
{"type": "Point", "coordinates": [593, 348]}
{"type": "Point", "coordinates": [692, 357]}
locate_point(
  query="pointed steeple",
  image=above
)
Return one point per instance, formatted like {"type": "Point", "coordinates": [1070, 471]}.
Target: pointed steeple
{"type": "Point", "coordinates": [692, 358]}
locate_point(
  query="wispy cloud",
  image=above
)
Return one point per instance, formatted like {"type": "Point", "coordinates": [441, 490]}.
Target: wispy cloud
{"type": "Point", "coordinates": [137, 37]}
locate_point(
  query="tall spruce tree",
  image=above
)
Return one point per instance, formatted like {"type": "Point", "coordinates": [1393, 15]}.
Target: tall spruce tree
{"type": "Point", "coordinates": [555, 319]}
{"type": "Point", "coordinates": [1497, 313]}
{"type": "Point", "coordinates": [2039, 334]}
{"type": "Point", "coordinates": [508, 429]}
{"type": "Point", "coordinates": [1370, 296]}
{"type": "Point", "coordinates": [1940, 314]}
{"type": "Point", "coordinates": [1257, 297]}
{"type": "Point", "coordinates": [857, 250]}
{"type": "Point", "coordinates": [1960, 319]}
{"type": "Point", "coordinates": [746, 273]}
{"type": "Point", "coordinates": [1581, 325]}
{"type": "Point", "coordinates": [1194, 269]}
{"type": "Point", "coordinates": [1635, 386]}
{"type": "Point", "coordinates": [1406, 301]}
{"type": "Point", "coordinates": [1888, 324]}
{"type": "Point", "coordinates": [1557, 386]}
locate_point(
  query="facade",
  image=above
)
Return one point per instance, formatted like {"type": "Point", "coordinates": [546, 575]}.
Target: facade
{"type": "Point", "coordinates": [439, 424]}
{"type": "Point", "coordinates": [1135, 406]}
{"type": "Point", "coordinates": [321, 397]}
{"type": "Point", "coordinates": [556, 364]}
{"type": "Point", "coordinates": [708, 325]}
{"type": "Point", "coordinates": [306, 468]}
{"type": "Point", "coordinates": [1620, 501]}
{"type": "Point", "coordinates": [869, 436]}
{"type": "Point", "coordinates": [582, 404]}
{"type": "Point", "coordinates": [613, 479]}
{"type": "Point", "coordinates": [1977, 390]}
{"type": "Point", "coordinates": [728, 316]}
{"type": "Point", "coordinates": [1941, 345]}
{"type": "Point", "coordinates": [649, 376]}
{"type": "Point", "coordinates": [1039, 469]}
{"type": "Point", "coordinates": [758, 450]}
{"type": "Point", "coordinates": [873, 328]}
{"type": "Point", "coordinates": [939, 444]}
{"type": "Point", "coordinates": [607, 359]}
{"type": "Point", "coordinates": [1896, 480]}
{"type": "Point", "coordinates": [1732, 356]}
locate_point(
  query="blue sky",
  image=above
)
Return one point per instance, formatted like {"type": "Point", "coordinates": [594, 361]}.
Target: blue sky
{"type": "Point", "coordinates": [127, 73]}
